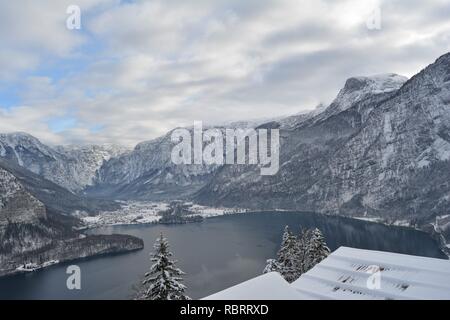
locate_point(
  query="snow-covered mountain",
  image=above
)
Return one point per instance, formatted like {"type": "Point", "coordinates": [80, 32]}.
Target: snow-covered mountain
{"type": "Point", "coordinates": [148, 173]}
{"type": "Point", "coordinates": [23, 219]}
{"type": "Point", "coordinates": [29, 233]}
{"type": "Point", "coordinates": [382, 147]}
{"type": "Point", "coordinates": [71, 167]}
{"type": "Point", "coordinates": [16, 204]}
{"type": "Point", "coordinates": [88, 159]}
{"type": "Point", "coordinates": [56, 198]}
{"type": "Point", "coordinates": [359, 88]}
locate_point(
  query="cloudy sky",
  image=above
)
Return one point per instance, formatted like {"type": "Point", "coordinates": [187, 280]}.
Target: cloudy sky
{"type": "Point", "coordinates": [136, 69]}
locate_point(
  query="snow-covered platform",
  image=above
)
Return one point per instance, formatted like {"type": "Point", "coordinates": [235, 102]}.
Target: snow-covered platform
{"type": "Point", "coordinates": [270, 286]}
{"type": "Point", "coordinates": [350, 273]}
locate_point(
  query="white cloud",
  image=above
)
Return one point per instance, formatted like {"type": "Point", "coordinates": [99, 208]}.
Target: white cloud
{"type": "Point", "coordinates": [161, 64]}
{"type": "Point", "coordinates": [32, 31]}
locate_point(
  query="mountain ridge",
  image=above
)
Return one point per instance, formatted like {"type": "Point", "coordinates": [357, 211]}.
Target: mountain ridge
{"type": "Point", "coordinates": [352, 157]}
{"type": "Point", "coordinates": [349, 145]}
{"type": "Point", "coordinates": [72, 167]}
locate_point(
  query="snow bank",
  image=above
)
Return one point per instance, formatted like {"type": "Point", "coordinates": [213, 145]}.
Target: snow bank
{"type": "Point", "coordinates": [353, 274]}
{"type": "Point", "coordinates": [270, 286]}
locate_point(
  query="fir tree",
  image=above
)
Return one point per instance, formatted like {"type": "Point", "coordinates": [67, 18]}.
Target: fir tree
{"type": "Point", "coordinates": [288, 256]}
{"type": "Point", "coordinates": [303, 244]}
{"type": "Point", "coordinates": [163, 281]}
{"type": "Point", "coordinates": [272, 265]}
{"type": "Point", "coordinates": [316, 250]}
{"type": "Point", "coordinates": [298, 255]}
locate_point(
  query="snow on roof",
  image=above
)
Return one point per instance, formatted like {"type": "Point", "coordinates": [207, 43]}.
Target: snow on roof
{"type": "Point", "coordinates": [352, 274]}
{"type": "Point", "coordinates": [348, 273]}
{"type": "Point", "coordinates": [270, 286]}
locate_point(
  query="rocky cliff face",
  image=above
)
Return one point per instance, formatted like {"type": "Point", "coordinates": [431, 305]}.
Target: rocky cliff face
{"type": "Point", "coordinates": [70, 167]}
{"type": "Point", "coordinates": [149, 173]}
{"type": "Point", "coordinates": [86, 160]}
{"type": "Point", "coordinates": [382, 147]}
{"type": "Point", "coordinates": [13, 197]}
{"type": "Point", "coordinates": [55, 198]}
{"type": "Point", "coordinates": [24, 224]}
{"type": "Point", "coordinates": [382, 152]}
{"type": "Point", "coordinates": [397, 164]}
{"type": "Point", "coordinates": [28, 233]}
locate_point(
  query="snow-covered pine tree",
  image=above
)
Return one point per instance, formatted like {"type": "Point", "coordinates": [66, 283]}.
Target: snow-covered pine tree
{"type": "Point", "coordinates": [163, 281]}
{"type": "Point", "coordinates": [316, 249]}
{"type": "Point", "coordinates": [303, 243]}
{"type": "Point", "coordinates": [272, 265]}
{"type": "Point", "coordinates": [288, 256]}
{"type": "Point", "coordinates": [298, 255]}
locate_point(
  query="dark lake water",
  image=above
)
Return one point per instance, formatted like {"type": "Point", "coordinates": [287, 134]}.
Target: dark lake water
{"type": "Point", "coordinates": [215, 254]}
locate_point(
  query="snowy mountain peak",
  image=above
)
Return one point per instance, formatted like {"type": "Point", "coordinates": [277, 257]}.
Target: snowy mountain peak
{"type": "Point", "coordinates": [72, 167]}
{"type": "Point", "coordinates": [18, 146]}
{"type": "Point", "coordinates": [18, 135]}
{"type": "Point", "coordinates": [15, 139]}
{"type": "Point", "coordinates": [358, 88]}
{"type": "Point", "coordinates": [381, 82]}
